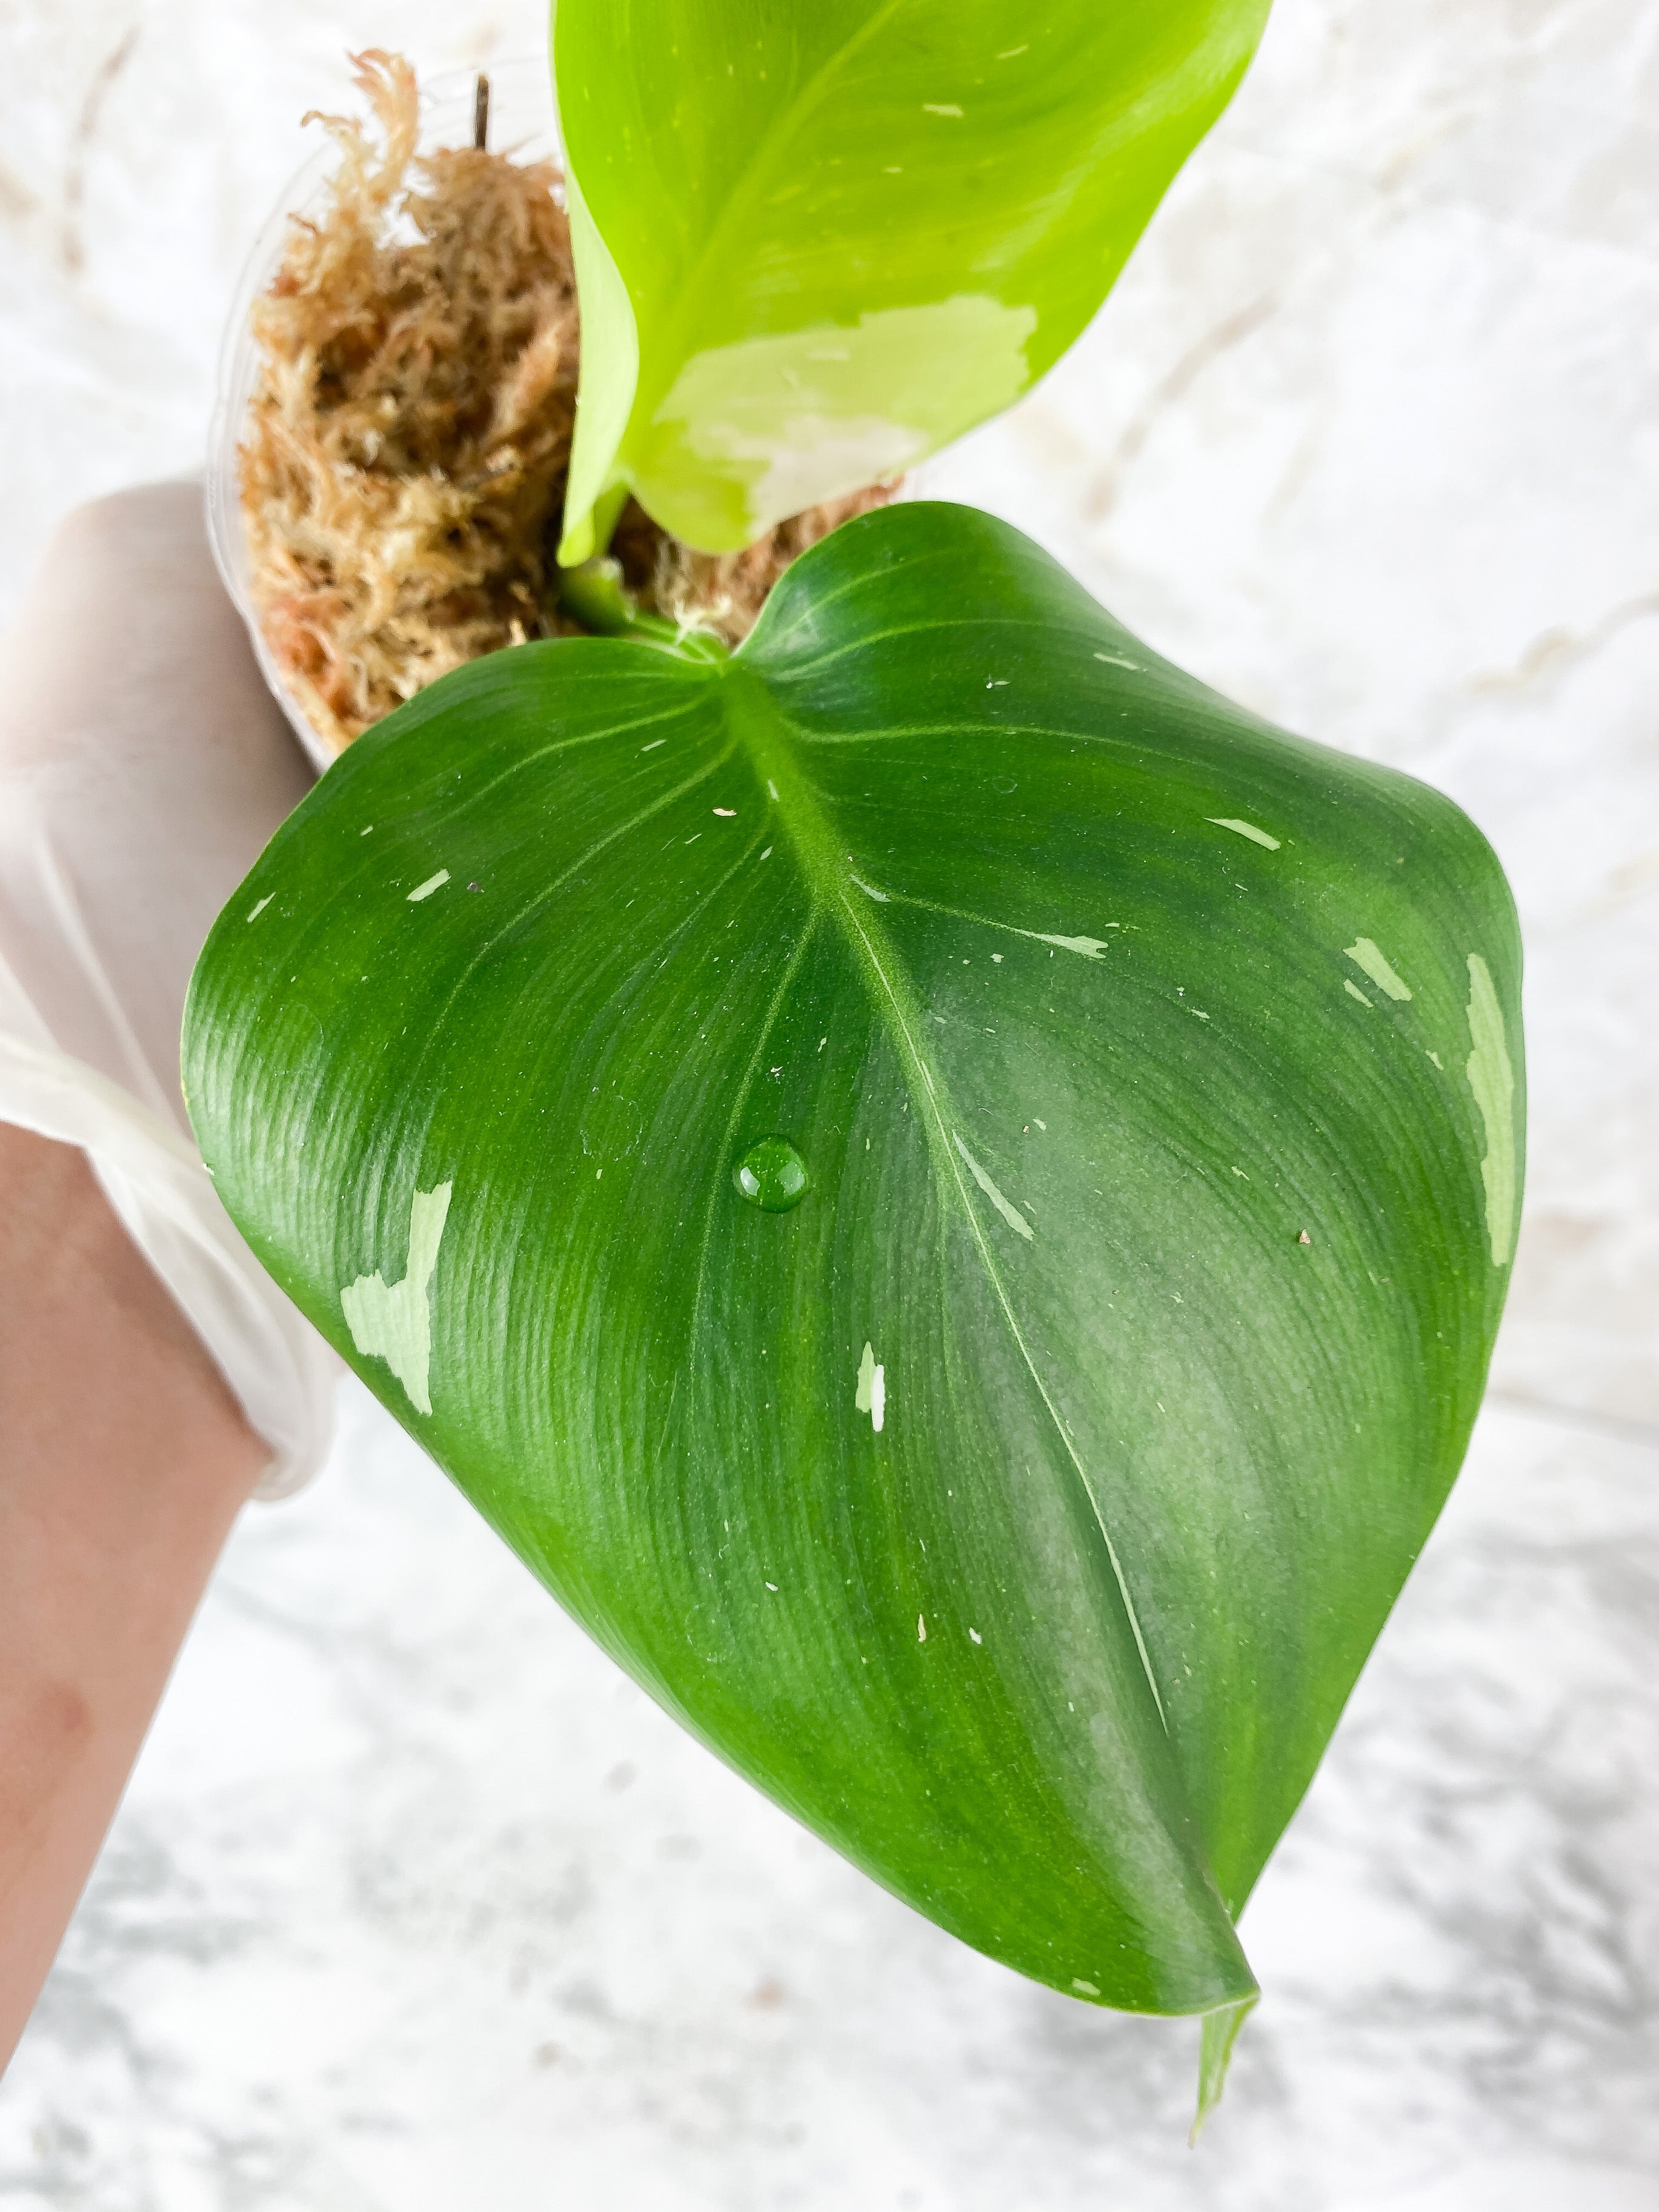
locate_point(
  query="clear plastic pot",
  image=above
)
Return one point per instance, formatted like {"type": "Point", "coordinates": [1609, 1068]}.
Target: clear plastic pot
{"type": "Point", "coordinates": [522, 123]}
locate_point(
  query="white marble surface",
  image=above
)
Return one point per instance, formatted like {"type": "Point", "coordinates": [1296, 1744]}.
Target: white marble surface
{"type": "Point", "coordinates": [416, 1904]}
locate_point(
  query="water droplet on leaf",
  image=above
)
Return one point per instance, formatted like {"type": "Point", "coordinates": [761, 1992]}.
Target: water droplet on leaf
{"type": "Point", "coordinates": [772, 1176]}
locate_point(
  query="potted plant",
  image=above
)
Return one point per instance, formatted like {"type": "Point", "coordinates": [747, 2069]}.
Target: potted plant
{"type": "Point", "coordinates": [947, 1189]}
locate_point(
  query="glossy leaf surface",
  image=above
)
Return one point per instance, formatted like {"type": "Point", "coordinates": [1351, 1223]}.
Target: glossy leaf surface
{"type": "Point", "coordinates": [1017, 1501]}
{"type": "Point", "coordinates": [816, 242]}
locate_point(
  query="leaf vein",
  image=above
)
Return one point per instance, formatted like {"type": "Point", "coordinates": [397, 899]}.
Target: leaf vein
{"type": "Point", "coordinates": [987, 1260]}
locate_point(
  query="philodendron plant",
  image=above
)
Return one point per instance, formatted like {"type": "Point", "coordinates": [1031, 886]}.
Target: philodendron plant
{"type": "Point", "coordinates": [948, 1190]}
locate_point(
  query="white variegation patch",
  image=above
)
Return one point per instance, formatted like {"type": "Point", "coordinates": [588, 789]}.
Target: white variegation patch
{"type": "Point", "coordinates": [392, 1320]}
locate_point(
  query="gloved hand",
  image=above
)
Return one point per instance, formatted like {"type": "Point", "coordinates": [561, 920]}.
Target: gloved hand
{"type": "Point", "coordinates": [144, 765]}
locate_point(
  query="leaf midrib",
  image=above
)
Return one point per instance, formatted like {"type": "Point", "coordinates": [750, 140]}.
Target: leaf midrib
{"type": "Point", "coordinates": [693, 289]}
{"type": "Point", "coordinates": [759, 723]}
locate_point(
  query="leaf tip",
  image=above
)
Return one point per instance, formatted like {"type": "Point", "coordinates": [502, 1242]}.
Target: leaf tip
{"type": "Point", "coordinates": [1218, 2034]}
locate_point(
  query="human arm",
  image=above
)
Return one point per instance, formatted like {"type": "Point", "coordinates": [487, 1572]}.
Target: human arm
{"type": "Point", "coordinates": [124, 1460]}
{"type": "Point", "coordinates": [143, 766]}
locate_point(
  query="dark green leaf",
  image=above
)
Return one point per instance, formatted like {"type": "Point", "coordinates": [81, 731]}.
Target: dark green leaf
{"type": "Point", "coordinates": [1019, 1504]}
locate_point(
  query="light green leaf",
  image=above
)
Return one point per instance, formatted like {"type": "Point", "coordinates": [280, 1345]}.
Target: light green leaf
{"type": "Point", "coordinates": [816, 243]}
{"type": "Point", "coordinates": [938, 1274]}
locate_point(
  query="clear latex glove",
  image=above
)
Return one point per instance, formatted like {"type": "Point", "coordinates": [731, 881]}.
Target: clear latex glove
{"type": "Point", "coordinates": [143, 764]}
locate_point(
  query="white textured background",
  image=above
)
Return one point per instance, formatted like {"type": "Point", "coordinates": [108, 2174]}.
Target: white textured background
{"type": "Point", "coordinates": [415, 1904]}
